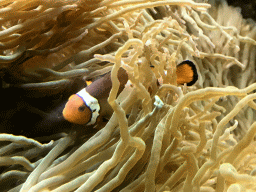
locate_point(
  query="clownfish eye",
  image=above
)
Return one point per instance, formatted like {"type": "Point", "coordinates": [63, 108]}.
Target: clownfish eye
{"type": "Point", "coordinates": [81, 108]}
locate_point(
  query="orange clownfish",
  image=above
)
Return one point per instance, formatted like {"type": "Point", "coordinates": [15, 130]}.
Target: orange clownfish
{"type": "Point", "coordinates": [91, 102]}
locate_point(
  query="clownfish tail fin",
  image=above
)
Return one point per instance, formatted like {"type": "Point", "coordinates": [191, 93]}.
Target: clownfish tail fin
{"type": "Point", "coordinates": [186, 73]}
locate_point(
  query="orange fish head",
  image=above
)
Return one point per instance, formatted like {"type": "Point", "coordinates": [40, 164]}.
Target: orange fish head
{"type": "Point", "coordinates": [76, 111]}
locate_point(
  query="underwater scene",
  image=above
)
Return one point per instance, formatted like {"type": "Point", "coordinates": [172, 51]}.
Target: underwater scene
{"type": "Point", "coordinates": [127, 96]}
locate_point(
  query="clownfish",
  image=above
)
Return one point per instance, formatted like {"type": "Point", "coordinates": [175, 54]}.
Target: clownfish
{"type": "Point", "coordinates": [91, 102]}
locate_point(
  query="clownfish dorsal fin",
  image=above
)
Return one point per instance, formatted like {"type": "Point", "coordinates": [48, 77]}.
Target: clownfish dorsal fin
{"type": "Point", "coordinates": [88, 83]}
{"type": "Point", "coordinates": [186, 73]}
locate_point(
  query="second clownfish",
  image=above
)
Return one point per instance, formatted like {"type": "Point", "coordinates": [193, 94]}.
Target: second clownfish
{"type": "Point", "coordinates": [91, 102]}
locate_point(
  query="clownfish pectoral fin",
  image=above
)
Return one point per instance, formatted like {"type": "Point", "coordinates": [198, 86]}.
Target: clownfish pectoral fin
{"type": "Point", "coordinates": [186, 73]}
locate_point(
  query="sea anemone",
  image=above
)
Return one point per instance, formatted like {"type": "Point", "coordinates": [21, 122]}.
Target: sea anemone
{"type": "Point", "coordinates": [161, 136]}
